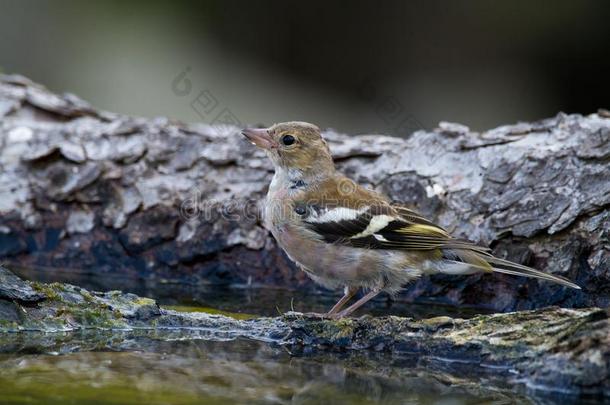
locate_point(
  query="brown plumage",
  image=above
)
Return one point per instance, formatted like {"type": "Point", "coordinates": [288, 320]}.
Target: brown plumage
{"type": "Point", "coordinates": [343, 235]}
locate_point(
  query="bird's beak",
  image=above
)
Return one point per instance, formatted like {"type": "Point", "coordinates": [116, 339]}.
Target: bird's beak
{"type": "Point", "coordinates": [260, 137]}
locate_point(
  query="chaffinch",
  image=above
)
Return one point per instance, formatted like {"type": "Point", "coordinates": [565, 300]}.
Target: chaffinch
{"type": "Point", "coordinates": [344, 235]}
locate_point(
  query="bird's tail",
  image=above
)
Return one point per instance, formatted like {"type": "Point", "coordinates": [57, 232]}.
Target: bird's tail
{"type": "Point", "coordinates": [477, 260]}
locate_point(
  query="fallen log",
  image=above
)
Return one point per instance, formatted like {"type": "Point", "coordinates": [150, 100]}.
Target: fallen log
{"type": "Point", "coordinates": [552, 349]}
{"type": "Point", "coordinates": [86, 194]}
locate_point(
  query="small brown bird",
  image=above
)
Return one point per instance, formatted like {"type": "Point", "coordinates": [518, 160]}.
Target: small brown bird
{"type": "Point", "coordinates": [343, 235]}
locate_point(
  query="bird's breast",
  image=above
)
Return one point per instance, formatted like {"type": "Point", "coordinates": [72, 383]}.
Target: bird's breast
{"type": "Point", "coordinates": [335, 265]}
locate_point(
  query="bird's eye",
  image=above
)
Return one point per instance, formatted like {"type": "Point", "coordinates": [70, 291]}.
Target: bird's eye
{"type": "Point", "coordinates": [300, 209]}
{"type": "Point", "coordinates": [288, 140]}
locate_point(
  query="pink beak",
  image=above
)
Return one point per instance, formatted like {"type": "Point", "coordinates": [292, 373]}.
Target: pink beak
{"type": "Point", "coordinates": [260, 137]}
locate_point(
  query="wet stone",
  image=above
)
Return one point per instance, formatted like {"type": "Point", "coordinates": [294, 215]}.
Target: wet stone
{"type": "Point", "coordinates": [9, 311]}
{"type": "Point", "coordinates": [14, 288]}
{"type": "Point", "coordinates": [565, 350]}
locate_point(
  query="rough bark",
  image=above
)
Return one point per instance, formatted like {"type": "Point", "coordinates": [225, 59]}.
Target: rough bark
{"type": "Point", "coordinates": [553, 349]}
{"type": "Point", "coordinates": [95, 193]}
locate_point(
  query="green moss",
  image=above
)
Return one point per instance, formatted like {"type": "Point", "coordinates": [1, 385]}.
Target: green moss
{"type": "Point", "coordinates": [144, 301]}
{"type": "Point", "coordinates": [96, 317]}
{"type": "Point", "coordinates": [8, 325]}
{"type": "Point", "coordinates": [87, 316]}
{"type": "Point", "coordinates": [330, 329]}
{"type": "Point", "coordinates": [437, 321]}
{"type": "Point", "coordinates": [342, 328]}
{"type": "Point", "coordinates": [115, 392]}
{"type": "Point", "coordinates": [87, 296]}
{"type": "Point", "coordinates": [514, 330]}
{"type": "Point", "coordinates": [211, 311]}
{"type": "Point", "coordinates": [51, 291]}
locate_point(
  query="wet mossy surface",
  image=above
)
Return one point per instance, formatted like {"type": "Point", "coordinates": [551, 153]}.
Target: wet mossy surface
{"type": "Point", "coordinates": [148, 367]}
{"type": "Point", "coordinates": [552, 349]}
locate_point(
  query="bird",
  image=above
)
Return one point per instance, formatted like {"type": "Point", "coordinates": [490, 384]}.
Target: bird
{"type": "Point", "coordinates": [344, 235]}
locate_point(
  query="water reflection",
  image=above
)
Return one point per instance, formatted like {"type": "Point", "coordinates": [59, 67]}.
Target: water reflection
{"type": "Point", "coordinates": [200, 366]}
{"type": "Point", "coordinates": [268, 302]}
{"type": "Point", "coordinates": [188, 372]}
{"type": "Point", "coordinates": [251, 301]}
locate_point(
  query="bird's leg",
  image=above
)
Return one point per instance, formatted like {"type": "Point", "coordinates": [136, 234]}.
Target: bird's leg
{"type": "Point", "coordinates": [348, 293]}
{"type": "Point", "coordinates": [347, 311]}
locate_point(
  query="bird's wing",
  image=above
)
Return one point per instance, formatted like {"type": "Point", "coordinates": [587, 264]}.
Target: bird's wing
{"type": "Point", "coordinates": [378, 226]}
{"type": "Point", "coordinates": [375, 224]}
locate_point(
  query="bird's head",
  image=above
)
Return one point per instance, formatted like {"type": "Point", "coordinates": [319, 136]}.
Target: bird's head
{"type": "Point", "coordinates": [294, 146]}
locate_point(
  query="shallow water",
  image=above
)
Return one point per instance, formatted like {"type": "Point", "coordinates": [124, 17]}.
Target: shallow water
{"type": "Point", "coordinates": [274, 302]}
{"type": "Point", "coordinates": [246, 300]}
{"type": "Point", "coordinates": [170, 367]}
{"type": "Point", "coordinates": [212, 372]}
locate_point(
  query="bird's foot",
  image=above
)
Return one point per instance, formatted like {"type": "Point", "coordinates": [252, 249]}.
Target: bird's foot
{"type": "Point", "coordinates": [337, 315]}
{"type": "Point", "coordinates": [327, 315]}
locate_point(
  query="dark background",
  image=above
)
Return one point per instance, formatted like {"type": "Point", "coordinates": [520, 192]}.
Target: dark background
{"type": "Point", "coordinates": [359, 67]}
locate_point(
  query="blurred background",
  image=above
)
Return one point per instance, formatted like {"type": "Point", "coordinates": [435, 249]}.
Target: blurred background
{"type": "Point", "coordinates": [359, 67]}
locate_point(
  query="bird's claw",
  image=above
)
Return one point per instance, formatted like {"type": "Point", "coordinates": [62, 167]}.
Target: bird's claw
{"type": "Point", "coordinates": [327, 315]}
{"type": "Point", "coordinates": [337, 316]}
